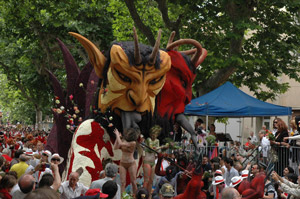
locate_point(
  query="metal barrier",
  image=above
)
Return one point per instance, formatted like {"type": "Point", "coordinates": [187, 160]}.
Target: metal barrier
{"type": "Point", "coordinates": [282, 156]}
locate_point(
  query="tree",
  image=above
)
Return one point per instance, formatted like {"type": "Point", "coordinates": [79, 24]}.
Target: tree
{"type": "Point", "coordinates": [28, 42]}
{"type": "Point", "coordinates": [249, 42]}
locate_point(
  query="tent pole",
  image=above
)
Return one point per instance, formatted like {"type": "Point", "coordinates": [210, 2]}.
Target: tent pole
{"type": "Point", "coordinates": [225, 142]}
{"type": "Point", "coordinates": [206, 122]}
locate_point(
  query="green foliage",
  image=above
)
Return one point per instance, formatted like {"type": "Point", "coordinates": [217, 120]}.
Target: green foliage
{"type": "Point", "coordinates": [211, 139]}
{"type": "Point", "coordinates": [13, 106]}
{"type": "Point", "coordinates": [28, 42]}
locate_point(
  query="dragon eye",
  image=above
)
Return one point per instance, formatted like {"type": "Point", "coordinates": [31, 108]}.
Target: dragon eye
{"type": "Point", "coordinates": [123, 77]}
{"type": "Point", "coordinates": [154, 81]}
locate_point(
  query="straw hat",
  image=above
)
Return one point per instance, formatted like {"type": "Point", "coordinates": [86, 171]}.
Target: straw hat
{"type": "Point", "coordinates": [56, 156]}
{"type": "Point", "coordinates": [235, 181]}
{"type": "Point", "coordinates": [245, 174]}
{"type": "Point", "coordinates": [218, 180]}
{"type": "Point", "coordinates": [219, 172]}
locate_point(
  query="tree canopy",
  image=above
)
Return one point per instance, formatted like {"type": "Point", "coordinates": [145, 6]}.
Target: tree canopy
{"type": "Point", "coordinates": [28, 42]}
{"type": "Point", "coordinates": [249, 42]}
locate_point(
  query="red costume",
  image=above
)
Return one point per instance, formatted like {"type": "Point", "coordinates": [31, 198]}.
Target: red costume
{"type": "Point", "coordinates": [256, 189]}
{"type": "Point", "coordinates": [193, 189]}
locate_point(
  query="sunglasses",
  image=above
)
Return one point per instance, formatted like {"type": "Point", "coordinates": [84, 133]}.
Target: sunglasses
{"type": "Point", "coordinates": [54, 159]}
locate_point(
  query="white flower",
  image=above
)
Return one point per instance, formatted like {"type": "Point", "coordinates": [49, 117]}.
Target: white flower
{"type": "Point", "coordinates": [57, 101]}
{"type": "Point", "coordinates": [62, 108]}
{"type": "Point", "coordinates": [68, 126]}
{"type": "Point", "coordinates": [81, 85]}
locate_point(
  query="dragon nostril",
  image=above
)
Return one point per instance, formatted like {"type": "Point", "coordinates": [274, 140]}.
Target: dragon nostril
{"type": "Point", "coordinates": [132, 100]}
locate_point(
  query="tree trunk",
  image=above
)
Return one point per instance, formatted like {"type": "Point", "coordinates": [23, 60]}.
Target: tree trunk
{"type": "Point", "coordinates": [39, 119]}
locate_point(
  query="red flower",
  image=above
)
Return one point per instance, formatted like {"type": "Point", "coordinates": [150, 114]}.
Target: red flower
{"type": "Point", "coordinates": [71, 97]}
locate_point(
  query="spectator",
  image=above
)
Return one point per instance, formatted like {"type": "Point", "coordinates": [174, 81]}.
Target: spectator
{"type": "Point", "coordinates": [166, 191]}
{"type": "Point", "coordinates": [245, 174]}
{"type": "Point", "coordinates": [72, 188]}
{"type": "Point", "coordinates": [265, 145]}
{"type": "Point", "coordinates": [56, 159]}
{"type": "Point", "coordinates": [142, 193]}
{"type": "Point", "coordinates": [199, 125]}
{"type": "Point", "coordinates": [274, 126]}
{"type": "Point", "coordinates": [20, 167]}
{"type": "Point", "coordinates": [230, 171]}
{"type": "Point", "coordinates": [235, 182]}
{"type": "Point", "coordinates": [282, 132]}
{"type": "Point", "coordinates": [15, 160]}
{"type": "Point", "coordinates": [42, 164]}
{"type": "Point", "coordinates": [247, 144]}
{"type": "Point", "coordinates": [93, 194]}
{"type": "Point", "coordinates": [218, 186]}
{"type": "Point", "coordinates": [270, 191]}
{"type": "Point", "coordinates": [287, 186]}
{"type": "Point", "coordinates": [111, 171]}
{"type": "Point", "coordinates": [230, 193]}
{"type": "Point", "coordinates": [256, 168]}
{"type": "Point", "coordinates": [39, 148]}
{"type": "Point", "coordinates": [287, 170]}
{"type": "Point", "coordinates": [6, 185]}
{"type": "Point", "coordinates": [43, 193]}
{"type": "Point", "coordinates": [110, 188]}
{"type": "Point", "coordinates": [205, 164]}
{"type": "Point", "coordinates": [3, 144]}
{"type": "Point", "coordinates": [26, 184]}
{"type": "Point", "coordinates": [50, 178]}
{"type": "Point", "coordinates": [253, 138]}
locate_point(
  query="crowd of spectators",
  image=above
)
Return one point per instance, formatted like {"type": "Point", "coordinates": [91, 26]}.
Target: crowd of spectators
{"type": "Point", "coordinates": [30, 171]}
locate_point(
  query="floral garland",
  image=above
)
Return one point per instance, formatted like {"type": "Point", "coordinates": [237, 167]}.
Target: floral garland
{"type": "Point", "coordinates": [72, 114]}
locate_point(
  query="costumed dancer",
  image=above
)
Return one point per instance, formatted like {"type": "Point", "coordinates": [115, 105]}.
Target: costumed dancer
{"type": "Point", "coordinates": [149, 157]}
{"type": "Point", "coordinates": [127, 162]}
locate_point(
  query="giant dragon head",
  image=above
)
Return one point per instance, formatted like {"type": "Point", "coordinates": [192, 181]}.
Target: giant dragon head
{"type": "Point", "coordinates": [132, 75]}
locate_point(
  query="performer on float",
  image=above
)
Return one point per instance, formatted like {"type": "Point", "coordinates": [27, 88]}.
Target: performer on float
{"type": "Point", "coordinates": [127, 162]}
{"type": "Point", "coordinates": [149, 157]}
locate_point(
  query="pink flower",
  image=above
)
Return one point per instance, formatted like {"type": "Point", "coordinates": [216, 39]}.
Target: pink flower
{"type": "Point", "coordinates": [92, 82]}
{"type": "Point", "coordinates": [71, 97]}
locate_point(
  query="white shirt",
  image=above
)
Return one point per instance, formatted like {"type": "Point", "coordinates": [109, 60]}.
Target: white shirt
{"type": "Point", "coordinates": [265, 145]}
{"type": "Point", "coordinates": [17, 193]}
{"type": "Point", "coordinates": [67, 192]}
{"type": "Point", "coordinates": [98, 184]}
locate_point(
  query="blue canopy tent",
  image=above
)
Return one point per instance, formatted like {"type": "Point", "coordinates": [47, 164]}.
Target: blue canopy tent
{"type": "Point", "coordinates": [229, 101]}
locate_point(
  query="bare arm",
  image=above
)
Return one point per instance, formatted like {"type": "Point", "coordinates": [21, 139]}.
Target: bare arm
{"type": "Point", "coordinates": [296, 137]}
{"type": "Point", "coordinates": [118, 141]}
{"type": "Point", "coordinates": [57, 179]}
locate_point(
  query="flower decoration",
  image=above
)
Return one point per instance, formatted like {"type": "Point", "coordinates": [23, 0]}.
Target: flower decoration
{"type": "Point", "coordinates": [271, 137]}
{"type": "Point", "coordinates": [71, 114]}
{"type": "Point", "coordinates": [211, 139]}
{"type": "Point", "coordinates": [71, 97]}
{"type": "Point", "coordinates": [81, 85]}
